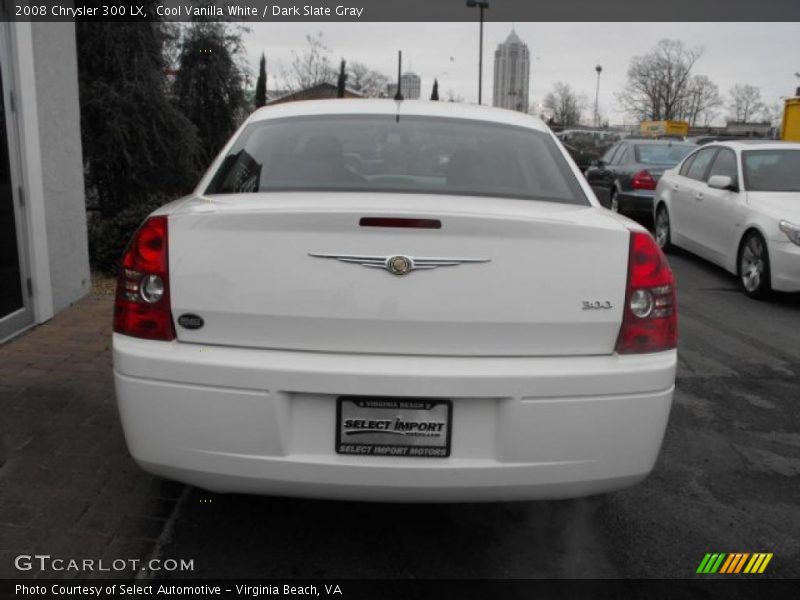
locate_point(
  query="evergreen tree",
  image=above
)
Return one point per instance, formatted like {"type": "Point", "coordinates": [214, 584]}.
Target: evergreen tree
{"type": "Point", "coordinates": [435, 92]}
{"type": "Point", "coordinates": [136, 143]}
{"type": "Point", "coordinates": [341, 81]}
{"type": "Point", "coordinates": [208, 86]}
{"type": "Point", "coordinates": [261, 83]}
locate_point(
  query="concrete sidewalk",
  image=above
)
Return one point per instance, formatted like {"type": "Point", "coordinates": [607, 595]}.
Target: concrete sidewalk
{"type": "Point", "coordinates": [68, 487]}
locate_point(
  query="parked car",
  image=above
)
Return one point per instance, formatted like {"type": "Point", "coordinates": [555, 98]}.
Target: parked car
{"type": "Point", "coordinates": [589, 137]}
{"type": "Point", "coordinates": [583, 157]}
{"type": "Point", "coordinates": [625, 179]}
{"type": "Point", "coordinates": [446, 314]}
{"type": "Point", "coordinates": [737, 204]}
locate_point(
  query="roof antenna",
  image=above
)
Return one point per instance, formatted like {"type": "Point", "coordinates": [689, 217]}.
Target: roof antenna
{"type": "Point", "coordinates": [399, 95]}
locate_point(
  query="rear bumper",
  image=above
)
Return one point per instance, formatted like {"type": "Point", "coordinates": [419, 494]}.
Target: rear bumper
{"type": "Point", "coordinates": [785, 266]}
{"type": "Point", "coordinates": [261, 421]}
{"type": "Point", "coordinates": [639, 203]}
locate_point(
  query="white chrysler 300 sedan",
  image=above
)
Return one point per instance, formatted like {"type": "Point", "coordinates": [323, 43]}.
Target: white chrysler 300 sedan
{"type": "Point", "coordinates": [396, 301]}
{"type": "Point", "coordinates": [737, 204]}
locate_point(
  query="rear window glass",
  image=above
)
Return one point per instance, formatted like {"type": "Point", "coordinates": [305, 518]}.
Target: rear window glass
{"type": "Point", "coordinates": [771, 170]}
{"type": "Point", "coordinates": [383, 154]}
{"type": "Point", "coordinates": [624, 157]}
{"type": "Point", "coordinates": [608, 157]}
{"type": "Point", "coordinates": [661, 154]}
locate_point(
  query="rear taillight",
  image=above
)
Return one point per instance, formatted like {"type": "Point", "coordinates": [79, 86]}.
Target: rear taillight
{"type": "Point", "coordinates": [142, 306]}
{"type": "Point", "coordinates": [650, 320]}
{"type": "Point", "coordinates": [643, 181]}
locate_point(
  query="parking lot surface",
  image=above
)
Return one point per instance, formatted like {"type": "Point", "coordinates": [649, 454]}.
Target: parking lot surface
{"type": "Point", "coordinates": [726, 480]}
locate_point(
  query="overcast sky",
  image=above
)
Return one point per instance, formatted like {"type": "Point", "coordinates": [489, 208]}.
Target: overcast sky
{"type": "Point", "coordinates": [766, 55]}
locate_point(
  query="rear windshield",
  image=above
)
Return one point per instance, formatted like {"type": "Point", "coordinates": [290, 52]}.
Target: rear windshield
{"type": "Point", "coordinates": [408, 155]}
{"type": "Point", "coordinates": [771, 170]}
{"type": "Point", "coordinates": [661, 154]}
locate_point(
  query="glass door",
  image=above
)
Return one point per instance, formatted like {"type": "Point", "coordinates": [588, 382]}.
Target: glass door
{"type": "Point", "coordinates": [15, 309]}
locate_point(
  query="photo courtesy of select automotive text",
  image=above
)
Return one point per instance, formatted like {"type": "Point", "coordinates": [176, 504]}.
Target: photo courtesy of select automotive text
{"type": "Point", "coordinates": [382, 300]}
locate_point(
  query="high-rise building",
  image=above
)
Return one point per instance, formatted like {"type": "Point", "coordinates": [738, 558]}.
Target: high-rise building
{"type": "Point", "coordinates": [512, 66]}
{"type": "Point", "coordinates": [409, 86]}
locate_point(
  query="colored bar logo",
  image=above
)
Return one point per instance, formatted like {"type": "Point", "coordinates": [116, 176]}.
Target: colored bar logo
{"type": "Point", "coordinates": [734, 563]}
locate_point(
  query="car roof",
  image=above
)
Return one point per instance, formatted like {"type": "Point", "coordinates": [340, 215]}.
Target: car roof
{"type": "Point", "coordinates": [661, 142]}
{"type": "Point", "coordinates": [423, 108]}
{"type": "Point", "coordinates": [757, 144]}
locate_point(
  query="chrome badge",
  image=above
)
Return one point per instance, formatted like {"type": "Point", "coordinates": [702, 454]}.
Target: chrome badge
{"type": "Point", "coordinates": [398, 264]}
{"type": "Point", "coordinates": [597, 304]}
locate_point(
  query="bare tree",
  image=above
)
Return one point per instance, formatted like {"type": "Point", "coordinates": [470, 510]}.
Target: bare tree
{"type": "Point", "coordinates": [658, 82]}
{"type": "Point", "coordinates": [701, 101]}
{"type": "Point", "coordinates": [370, 83]}
{"type": "Point", "coordinates": [310, 68]}
{"type": "Point", "coordinates": [745, 103]}
{"type": "Point", "coordinates": [773, 113]}
{"type": "Point", "coordinates": [565, 104]}
{"type": "Point", "coordinates": [453, 97]}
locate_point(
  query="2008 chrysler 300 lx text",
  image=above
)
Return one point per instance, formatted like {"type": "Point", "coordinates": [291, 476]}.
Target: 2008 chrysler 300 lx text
{"type": "Point", "coordinates": [399, 301]}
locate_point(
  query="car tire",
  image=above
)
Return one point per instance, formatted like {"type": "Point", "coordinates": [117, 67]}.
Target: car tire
{"type": "Point", "coordinates": [613, 201]}
{"type": "Point", "coordinates": [753, 266]}
{"type": "Point", "coordinates": [663, 229]}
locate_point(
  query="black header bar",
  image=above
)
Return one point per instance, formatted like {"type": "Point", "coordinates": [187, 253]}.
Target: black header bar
{"type": "Point", "coordinates": [316, 11]}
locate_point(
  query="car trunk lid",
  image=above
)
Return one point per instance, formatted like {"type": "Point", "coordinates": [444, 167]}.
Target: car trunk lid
{"type": "Point", "coordinates": [529, 278]}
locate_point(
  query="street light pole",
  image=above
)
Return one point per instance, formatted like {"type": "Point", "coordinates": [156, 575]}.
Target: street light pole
{"type": "Point", "coordinates": [599, 70]}
{"type": "Point", "coordinates": [481, 6]}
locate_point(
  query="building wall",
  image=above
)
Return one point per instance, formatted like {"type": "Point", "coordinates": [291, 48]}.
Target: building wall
{"type": "Point", "coordinates": [410, 85]}
{"type": "Point", "coordinates": [61, 172]}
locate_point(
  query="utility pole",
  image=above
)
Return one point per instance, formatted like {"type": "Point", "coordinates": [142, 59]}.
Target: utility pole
{"type": "Point", "coordinates": [398, 95]}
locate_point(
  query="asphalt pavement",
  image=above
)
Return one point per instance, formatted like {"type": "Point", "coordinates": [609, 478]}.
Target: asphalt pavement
{"type": "Point", "coordinates": [726, 481]}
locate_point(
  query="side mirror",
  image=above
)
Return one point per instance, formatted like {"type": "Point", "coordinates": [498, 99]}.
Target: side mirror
{"type": "Point", "coordinates": [597, 163]}
{"type": "Point", "coordinates": [721, 182]}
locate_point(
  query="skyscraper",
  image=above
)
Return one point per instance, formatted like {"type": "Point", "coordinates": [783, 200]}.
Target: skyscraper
{"type": "Point", "coordinates": [512, 65]}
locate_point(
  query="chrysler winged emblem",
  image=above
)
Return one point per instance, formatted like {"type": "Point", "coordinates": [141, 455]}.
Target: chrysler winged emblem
{"type": "Point", "coordinates": [398, 264]}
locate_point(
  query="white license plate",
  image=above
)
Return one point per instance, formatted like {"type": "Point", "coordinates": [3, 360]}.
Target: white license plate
{"type": "Point", "coordinates": [374, 426]}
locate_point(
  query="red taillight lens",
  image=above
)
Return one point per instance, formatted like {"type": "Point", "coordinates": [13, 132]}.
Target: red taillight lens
{"type": "Point", "coordinates": [142, 306]}
{"type": "Point", "coordinates": [643, 181]}
{"type": "Point", "coordinates": [650, 319]}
